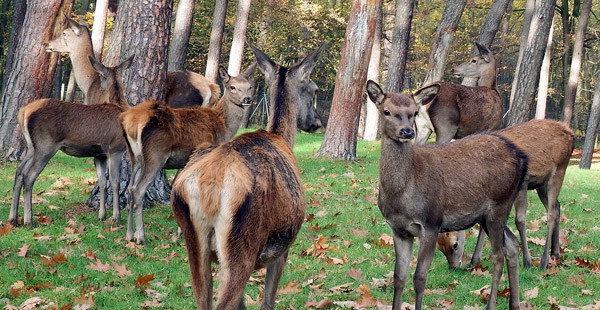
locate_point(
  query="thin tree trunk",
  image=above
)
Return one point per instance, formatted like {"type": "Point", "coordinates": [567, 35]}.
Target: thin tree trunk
{"type": "Point", "coordinates": [32, 70]}
{"type": "Point", "coordinates": [400, 43]}
{"type": "Point", "coordinates": [576, 62]}
{"type": "Point", "coordinates": [70, 93]}
{"type": "Point", "coordinates": [527, 16]}
{"type": "Point", "coordinates": [529, 69]}
{"type": "Point", "coordinates": [19, 10]}
{"type": "Point", "coordinates": [239, 38]}
{"type": "Point", "coordinates": [99, 27]}
{"type": "Point", "coordinates": [340, 136]}
{"type": "Point", "coordinates": [542, 97]}
{"type": "Point", "coordinates": [371, 118]}
{"type": "Point", "coordinates": [443, 39]}
{"type": "Point", "coordinates": [181, 35]}
{"type": "Point", "coordinates": [592, 129]}
{"type": "Point", "coordinates": [216, 40]}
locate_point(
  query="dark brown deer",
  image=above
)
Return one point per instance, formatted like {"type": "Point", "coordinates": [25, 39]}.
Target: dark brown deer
{"type": "Point", "coordinates": [183, 88]}
{"type": "Point", "coordinates": [242, 202]}
{"type": "Point", "coordinates": [162, 137]}
{"type": "Point", "coordinates": [78, 130]}
{"type": "Point", "coordinates": [549, 145]}
{"type": "Point", "coordinates": [457, 110]}
{"type": "Point", "coordinates": [426, 190]}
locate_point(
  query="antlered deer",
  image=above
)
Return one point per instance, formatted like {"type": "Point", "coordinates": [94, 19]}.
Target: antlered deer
{"type": "Point", "coordinates": [78, 130]}
{"type": "Point", "coordinates": [549, 145]}
{"type": "Point", "coordinates": [457, 110]}
{"type": "Point", "coordinates": [425, 190]}
{"type": "Point", "coordinates": [162, 137]}
{"type": "Point", "coordinates": [242, 202]}
{"type": "Point", "coordinates": [183, 88]}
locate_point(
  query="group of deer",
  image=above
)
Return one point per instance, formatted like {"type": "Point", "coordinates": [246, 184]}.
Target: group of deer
{"type": "Point", "coordinates": [434, 192]}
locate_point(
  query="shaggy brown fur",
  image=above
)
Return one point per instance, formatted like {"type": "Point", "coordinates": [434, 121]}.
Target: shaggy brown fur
{"type": "Point", "coordinates": [163, 137]}
{"type": "Point", "coordinates": [549, 145]}
{"type": "Point", "coordinates": [242, 203]}
{"type": "Point", "coordinates": [431, 189]}
{"type": "Point", "coordinates": [78, 130]}
{"type": "Point", "coordinates": [187, 89]}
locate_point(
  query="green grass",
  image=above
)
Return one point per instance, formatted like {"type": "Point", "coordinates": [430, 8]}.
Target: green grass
{"type": "Point", "coordinates": [340, 207]}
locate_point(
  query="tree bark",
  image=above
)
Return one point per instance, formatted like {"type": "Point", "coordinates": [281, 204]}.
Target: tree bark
{"type": "Point", "coordinates": [239, 38]}
{"type": "Point", "coordinates": [216, 40]}
{"type": "Point", "coordinates": [576, 62]}
{"type": "Point", "coordinates": [528, 76]}
{"type": "Point", "coordinates": [542, 96]}
{"type": "Point", "coordinates": [32, 71]}
{"type": "Point", "coordinates": [527, 16]}
{"type": "Point", "coordinates": [19, 10]}
{"type": "Point", "coordinates": [371, 118]}
{"type": "Point", "coordinates": [489, 30]}
{"type": "Point", "coordinates": [340, 136]}
{"type": "Point", "coordinates": [99, 27]}
{"type": "Point", "coordinates": [181, 35]}
{"type": "Point", "coordinates": [443, 39]}
{"type": "Point", "coordinates": [400, 45]}
{"type": "Point", "coordinates": [592, 129]}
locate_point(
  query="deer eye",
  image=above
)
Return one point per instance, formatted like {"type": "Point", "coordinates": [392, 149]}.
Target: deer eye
{"type": "Point", "coordinates": [473, 61]}
{"type": "Point", "coordinates": [416, 113]}
{"type": "Point", "coordinates": [232, 87]}
{"type": "Point", "coordinates": [386, 112]}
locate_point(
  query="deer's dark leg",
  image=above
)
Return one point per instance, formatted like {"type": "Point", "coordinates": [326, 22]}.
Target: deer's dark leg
{"type": "Point", "coordinates": [114, 163]}
{"type": "Point", "coordinates": [511, 253]}
{"type": "Point", "coordinates": [403, 247]}
{"type": "Point", "coordinates": [425, 257]}
{"type": "Point", "coordinates": [19, 174]}
{"type": "Point", "coordinates": [100, 163]}
{"type": "Point", "coordinates": [274, 272]}
{"type": "Point", "coordinates": [39, 161]}
{"type": "Point", "coordinates": [520, 222]}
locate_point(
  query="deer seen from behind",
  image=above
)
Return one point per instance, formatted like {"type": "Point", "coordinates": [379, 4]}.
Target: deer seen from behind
{"type": "Point", "coordinates": [183, 88]}
{"type": "Point", "coordinates": [78, 130]}
{"type": "Point", "coordinates": [162, 137]}
{"type": "Point", "coordinates": [242, 202]}
{"type": "Point", "coordinates": [457, 110]}
{"type": "Point", "coordinates": [427, 190]}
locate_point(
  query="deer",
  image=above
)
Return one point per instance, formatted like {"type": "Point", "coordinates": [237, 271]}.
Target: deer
{"type": "Point", "coordinates": [549, 145]}
{"type": "Point", "coordinates": [241, 203]}
{"type": "Point", "coordinates": [78, 130]}
{"type": "Point", "coordinates": [160, 137]}
{"type": "Point", "coordinates": [183, 88]}
{"type": "Point", "coordinates": [457, 110]}
{"type": "Point", "coordinates": [427, 190]}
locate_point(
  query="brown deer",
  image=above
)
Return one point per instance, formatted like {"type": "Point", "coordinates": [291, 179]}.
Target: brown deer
{"type": "Point", "coordinates": [457, 110]}
{"type": "Point", "coordinates": [183, 88]}
{"type": "Point", "coordinates": [162, 137]}
{"type": "Point", "coordinates": [426, 190]}
{"type": "Point", "coordinates": [549, 145]}
{"type": "Point", "coordinates": [78, 130]}
{"type": "Point", "coordinates": [242, 203]}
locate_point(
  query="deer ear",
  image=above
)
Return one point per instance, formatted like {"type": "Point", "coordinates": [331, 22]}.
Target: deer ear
{"type": "Point", "coordinates": [265, 64]}
{"type": "Point", "coordinates": [375, 92]}
{"type": "Point", "coordinates": [426, 94]}
{"type": "Point", "coordinates": [484, 52]}
{"type": "Point", "coordinates": [74, 26]}
{"type": "Point", "coordinates": [249, 72]}
{"type": "Point", "coordinates": [305, 67]}
{"type": "Point", "coordinates": [98, 66]}
{"type": "Point", "coordinates": [126, 64]}
{"type": "Point", "coordinates": [223, 75]}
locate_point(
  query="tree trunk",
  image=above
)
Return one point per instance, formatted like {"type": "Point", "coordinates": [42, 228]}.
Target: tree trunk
{"type": "Point", "coordinates": [371, 118]}
{"type": "Point", "coordinates": [32, 71]}
{"type": "Point", "coordinates": [239, 37]}
{"type": "Point", "coordinates": [489, 30]}
{"type": "Point", "coordinates": [142, 29]}
{"type": "Point", "coordinates": [527, 16]}
{"type": "Point", "coordinates": [70, 93]}
{"type": "Point", "coordinates": [6, 4]}
{"type": "Point", "coordinates": [443, 39]}
{"type": "Point", "coordinates": [576, 62]}
{"type": "Point", "coordinates": [400, 43]}
{"type": "Point", "coordinates": [216, 40]}
{"type": "Point", "coordinates": [350, 80]}
{"type": "Point", "coordinates": [592, 129]}
{"type": "Point", "coordinates": [19, 10]}
{"type": "Point", "coordinates": [181, 35]}
{"type": "Point", "coordinates": [529, 69]}
{"type": "Point", "coordinates": [542, 96]}
{"type": "Point", "coordinates": [99, 27]}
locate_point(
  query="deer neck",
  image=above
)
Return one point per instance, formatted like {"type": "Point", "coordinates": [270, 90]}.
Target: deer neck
{"type": "Point", "coordinates": [396, 164]}
{"type": "Point", "coordinates": [488, 79]}
{"type": "Point", "coordinates": [282, 120]}
{"type": "Point", "coordinates": [232, 114]}
{"type": "Point", "coordinates": [83, 70]}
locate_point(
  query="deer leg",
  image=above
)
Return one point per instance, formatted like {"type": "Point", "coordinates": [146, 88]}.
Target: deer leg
{"type": "Point", "coordinates": [445, 133]}
{"type": "Point", "coordinates": [403, 247]}
{"type": "Point", "coordinates": [234, 274]}
{"type": "Point", "coordinates": [114, 165]}
{"type": "Point", "coordinates": [274, 272]}
{"type": "Point", "coordinates": [100, 163]}
{"type": "Point", "coordinates": [425, 256]}
{"type": "Point", "coordinates": [548, 195]}
{"type": "Point", "coordinates": [511, 253]}
{"type": "Point", "coordinates": [520, 222]}
{"type": "Point", "coordinates": [21, 171]}
{"type": "Point", "coordinates": [39, 162]}
{"type": "Point", "coordinates": [476, 258]}
{"type": "Point", "coordinates": [494, 226]}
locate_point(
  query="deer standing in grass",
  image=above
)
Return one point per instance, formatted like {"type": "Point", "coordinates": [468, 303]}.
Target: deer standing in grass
{"type": "Point", "coordinates": [183, 88]}
{"type": "Point", "coordinates": [78, 130]}
{"type": "Point", "coordinates": [242, 202]}
{"type": "Point", "coordinates": [457, 110]}
{"type": "Point", "coordinates": [162, 137]}
{"type": "Point", "coordinates": [426, 190]}
{"type": "Point", "coordinates": [549, 145]}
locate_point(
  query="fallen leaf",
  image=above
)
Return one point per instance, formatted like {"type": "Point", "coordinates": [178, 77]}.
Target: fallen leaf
{"type": "Point", "coordinates": [5, 229]}
{"type": "Point", "coordinates": [366, 300]}
{"type": "Point", "coordinates": [359, 232]}
{"type": "Point", "coordinates": [341, 288]}
{"type": "Point", "coordinates": [292, 287]}
{"type": "Point", "coordinates": [121, 270]}
{"type": "Point", "coordinates": [143, 281]}
{"type": "Point", "coordinates": [356, 274]}
{"type": "Point", "coordinates": [23, 250]}
{"type": "Point", "coordinates": [99, 266]}
{"type": "Point", "coordinates": [532, 293]}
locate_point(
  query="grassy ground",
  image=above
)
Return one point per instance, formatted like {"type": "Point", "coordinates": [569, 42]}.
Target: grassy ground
{"type": "Point", "coordinates": [342, 258]}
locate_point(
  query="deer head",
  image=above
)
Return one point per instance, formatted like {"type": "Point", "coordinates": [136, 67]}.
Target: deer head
{"type": "Point", "coordinates": [482, 66]}
{"type": "Point", "coordinates": [238, 89]}
{"type": "Point", "coordinates": [71, 40]}
{"type": "Point", "coordinates": [110, 79]}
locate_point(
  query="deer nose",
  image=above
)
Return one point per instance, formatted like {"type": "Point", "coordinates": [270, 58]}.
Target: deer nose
{"type": "Point", "coordinates": [407, 133]}
{"type": "Point", "coordinates": [247, 101]}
